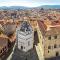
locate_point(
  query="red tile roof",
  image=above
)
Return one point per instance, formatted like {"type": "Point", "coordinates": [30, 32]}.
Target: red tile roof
{"type": "Point", "coordinates": [3, 42]}
{"type": "Point", "coordinates": [55, 22]}
{"type": "Point", "coordinates": [42, 26]}
{"type": "Point", "coordinates": [49, 27]}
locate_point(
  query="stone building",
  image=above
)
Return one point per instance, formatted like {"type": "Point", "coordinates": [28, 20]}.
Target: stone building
{"type": "Point", "coordinates": [49, 38]}
{"type": "Point", "coordinates": [25, 37]}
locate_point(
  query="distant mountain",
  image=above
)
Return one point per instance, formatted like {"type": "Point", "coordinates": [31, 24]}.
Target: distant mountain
{"type": "Point", "coordinates": [13, 8]}
{"type": "Point", "coordinates": [24, 8]}
{"type": "Point", "coordinates": [50, 6]}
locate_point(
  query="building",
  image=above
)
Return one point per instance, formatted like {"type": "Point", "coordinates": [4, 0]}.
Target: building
{"type": "Point", "coordinates": [9, 28]}
{"type": "Point", "coordinates": [33, 23]}
{"type": "Point", "coordinates": [3, 46]}
{"type": "Point", "coordinates": [49, 38]}
{"type": "Point", "coordinates": [25, 37]}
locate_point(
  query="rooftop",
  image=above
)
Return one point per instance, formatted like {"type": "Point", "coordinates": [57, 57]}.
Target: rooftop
{"type": "Point", "coordinates": [49, 26]}
{"type": "Point", "coordinates": [3, 42]}
{"type": "Point", "coordinates": [26, 27]}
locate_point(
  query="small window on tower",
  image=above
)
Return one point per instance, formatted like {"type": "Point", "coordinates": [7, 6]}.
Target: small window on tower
{"type": "Point", "coordinates": [21, 47]}
{"type": "Point", "coordinates": [28, 43]}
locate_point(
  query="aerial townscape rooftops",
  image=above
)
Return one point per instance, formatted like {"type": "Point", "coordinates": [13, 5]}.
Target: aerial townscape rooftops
{"type": "Point", "coordinates": [32, 34]}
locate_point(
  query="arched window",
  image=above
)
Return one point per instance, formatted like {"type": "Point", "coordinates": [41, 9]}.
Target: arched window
{"type": "Point", "coordinates": [28, 43]}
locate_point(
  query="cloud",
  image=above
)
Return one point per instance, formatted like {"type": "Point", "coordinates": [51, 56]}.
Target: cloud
{"type": "Point", "coordinates": [48, 2]}
{"type": "Point", "coordinates": [19, 3]}
{"type": "Point", "coordinates": [29, 3]}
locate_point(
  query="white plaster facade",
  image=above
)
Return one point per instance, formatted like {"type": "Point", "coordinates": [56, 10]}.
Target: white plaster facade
{"type": "Point", "coordinates": [25, 38]}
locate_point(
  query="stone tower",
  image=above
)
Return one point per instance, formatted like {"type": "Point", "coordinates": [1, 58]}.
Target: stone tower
{"type": "Point", "coordinates": [25, 37]}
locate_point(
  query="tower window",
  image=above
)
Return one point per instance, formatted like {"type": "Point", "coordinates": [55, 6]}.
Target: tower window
{"type": "Point", "coordinates": [22, 47]}
{"type": "Point", "coordinates": [28, 43]}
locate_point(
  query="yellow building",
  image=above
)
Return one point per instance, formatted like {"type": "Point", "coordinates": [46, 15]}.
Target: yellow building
{"type": "Point", "coordinates": [33, 24]}
{"type": "Point", "coordinates": [49, 38]}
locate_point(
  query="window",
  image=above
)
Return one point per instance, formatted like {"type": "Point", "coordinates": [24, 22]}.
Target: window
{"type": "Point", "coordinates": [49, 47]}
{"type": "Point", "coordinates": [55, 46]}
{"type": "Point", "coordinates": [48, 51]}
{"type": "Point", "coordinates": [28, 43]}
{"type": "Point", "coordinates": [57, 53]}
{"type": "Point", "coordinates": [55, 37]}
{"type": "Point", "coordinates": [21, 47]}
{"type": "Point", "coordinates": [49, 38]}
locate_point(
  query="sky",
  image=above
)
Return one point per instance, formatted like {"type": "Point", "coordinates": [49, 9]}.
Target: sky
{"type": "Point", "coordinates": [28, 3]}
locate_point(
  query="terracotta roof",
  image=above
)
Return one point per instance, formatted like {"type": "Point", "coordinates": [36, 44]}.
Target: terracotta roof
{"type": "Point", "coordinates": [49, 27]}
{"type": "Point", "coordinates": [56, 22]}
{"type": "Point", "coordinates": [12, 38]}
{"type": "Point", "coordinates": [3, 42]}
{"type": "Point", "coordinates": [53, 31]}
{"type": "Point", "coordinates": [42, 26]}
{"type": "Point", "coordinates": [1, 22]}
{"type": "Point", "coordinates": [10, 23]}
